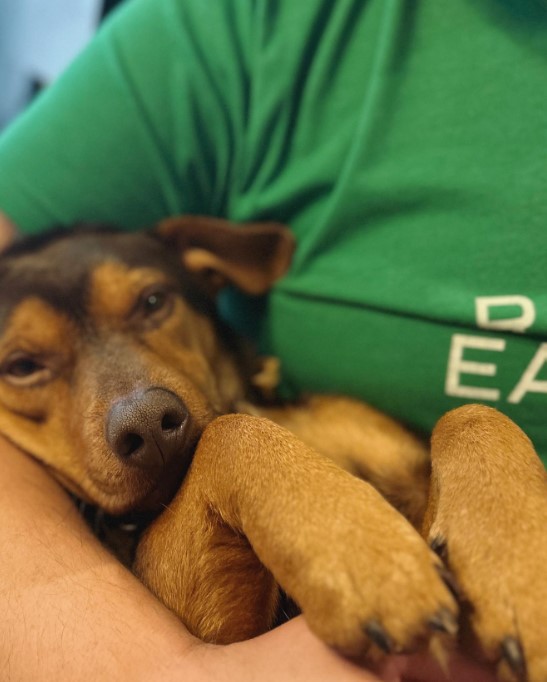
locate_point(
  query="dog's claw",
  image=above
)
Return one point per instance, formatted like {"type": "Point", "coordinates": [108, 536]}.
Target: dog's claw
{"type": "Point", "coordinates": [374, 630]}
{"type": "Point", "coordinates": [444, 621]}
{"type": "Point", "coordinates": [438, 545]}
{"type": "Point", "coordinates": [512, 652]}
{"type": "Point", "coordinates": [448, 580]}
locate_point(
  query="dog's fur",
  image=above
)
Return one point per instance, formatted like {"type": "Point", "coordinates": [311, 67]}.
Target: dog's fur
{"type": "Point", "coordinates": [116, 373]}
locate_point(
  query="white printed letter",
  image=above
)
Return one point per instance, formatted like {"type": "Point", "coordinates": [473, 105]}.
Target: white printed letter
{"type": "Point", "coordinates": [457, 366]}
{"type": "Point", "coordinates": [528, 382]}
{"type": "Point", "coordinates": [483, 305]}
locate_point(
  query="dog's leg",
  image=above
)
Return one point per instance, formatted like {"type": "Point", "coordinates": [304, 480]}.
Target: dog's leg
{"type": "Point", "coordinates": [487, 518]}
{"type": "Point", "coordinates": [202, 567]}
{"type": "Point", "coordinates": [359, 571]}
{"type": "Point", "coordinates": [365, 442]}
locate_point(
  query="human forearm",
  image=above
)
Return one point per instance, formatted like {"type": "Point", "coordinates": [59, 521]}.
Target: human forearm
{"type": "Point", "coordinates": [67, 606]}
{"type": "Point", "coordinates": [7, 230]}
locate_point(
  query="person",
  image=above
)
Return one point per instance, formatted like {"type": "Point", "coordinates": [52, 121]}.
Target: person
{"type": "Point", "coordinates": [402, 144]}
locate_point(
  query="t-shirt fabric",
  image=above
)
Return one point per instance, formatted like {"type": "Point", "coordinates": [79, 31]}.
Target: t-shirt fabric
{"type": "Point", "coordinates": [404, 142]}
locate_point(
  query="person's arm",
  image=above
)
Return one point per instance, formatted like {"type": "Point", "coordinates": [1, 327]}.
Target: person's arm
{"type": "Point", "coordinates": [70, 611]}
{"type": "Point", "coordinates": [68, 607]}
{"type": "Point", "coordinates": [7, 231]}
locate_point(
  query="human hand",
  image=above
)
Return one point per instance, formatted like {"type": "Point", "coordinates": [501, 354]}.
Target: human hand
{"type": "Point", "coordinates": [293, 653]}
{"type": "Point", "coordinates": [423, 668]}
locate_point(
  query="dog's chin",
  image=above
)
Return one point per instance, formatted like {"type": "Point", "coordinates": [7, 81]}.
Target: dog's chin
{"type": "Point", "coordinates": [162, 493]}
{"type": "Point", "coordinates": [150, 493]}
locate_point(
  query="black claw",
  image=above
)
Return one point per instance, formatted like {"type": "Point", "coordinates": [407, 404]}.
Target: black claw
{"type": "Point", "coordinates": [448, 580]}
{"type": "Point", "coordinates": [438, 545]}
{"type": "Point", "coordinates": [512, 652]}
{"type": "Point", "coordinates": [379, 636]}
{"type": "Point", "coordinates": [444, 621]}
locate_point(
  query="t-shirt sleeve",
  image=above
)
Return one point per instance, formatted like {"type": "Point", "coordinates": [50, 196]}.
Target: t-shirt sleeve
{"type": "Point", "coordinates": [145, 123]}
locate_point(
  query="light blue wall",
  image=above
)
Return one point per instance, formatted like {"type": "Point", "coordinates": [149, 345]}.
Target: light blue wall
{"type": "Point", "coordinates": [38, 38]}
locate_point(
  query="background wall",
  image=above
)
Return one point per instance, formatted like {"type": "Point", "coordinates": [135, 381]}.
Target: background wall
{"type": "Point", "coordinates": [38, 38]}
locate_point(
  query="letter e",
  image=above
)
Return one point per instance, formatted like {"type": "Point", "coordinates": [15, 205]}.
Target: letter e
{"type": "Point", "coordinates": [457, 366]}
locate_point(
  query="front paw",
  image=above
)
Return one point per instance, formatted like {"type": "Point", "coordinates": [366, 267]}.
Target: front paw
{"type": "Point", "coordinates": [502, 586]}
{"type": "Point", "coordinates": [488, 521]}
{"type": "Point", "coordinates": [366, 581]}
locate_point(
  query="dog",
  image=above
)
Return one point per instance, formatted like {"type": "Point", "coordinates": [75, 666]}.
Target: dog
{"type": "Point", "coordinates": [118, 375]}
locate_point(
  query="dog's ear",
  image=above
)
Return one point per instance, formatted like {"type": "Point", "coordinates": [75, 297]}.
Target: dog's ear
{"type": "Point", "coordinates": [250, 256]}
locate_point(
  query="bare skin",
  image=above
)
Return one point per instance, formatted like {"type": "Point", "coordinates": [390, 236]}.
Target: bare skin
{"type": "Point", "coordinates": [7, 230]}
{"type": "Point", "coordinates": [71, 611]}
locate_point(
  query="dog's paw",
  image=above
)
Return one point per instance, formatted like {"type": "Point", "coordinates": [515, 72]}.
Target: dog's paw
{"type": "Point", "coordinates": [367, 583]}
{"type": "Point", "coordinates": [488, 521]}
{"type": "Point", "coordinates": [501, 583]}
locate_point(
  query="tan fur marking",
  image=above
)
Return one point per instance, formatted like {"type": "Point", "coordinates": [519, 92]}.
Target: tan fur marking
{"type": "Point", "coordinates": [36, 328]}
{"type": "Point", "coordinates": [115, 288]}
{"type": "Point", "coordinates": [34, 325]}
{"type": "Point", "coordinates": [36, 419]}
{"type": "Point", "coordinates": [363, 441]}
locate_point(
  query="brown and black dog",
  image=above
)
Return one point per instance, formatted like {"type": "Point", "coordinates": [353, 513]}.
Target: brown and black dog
{"type": "Point", "coordinates": [117, 374]}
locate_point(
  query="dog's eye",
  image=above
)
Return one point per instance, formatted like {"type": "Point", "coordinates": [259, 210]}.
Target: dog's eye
{"type": "Point", "coordinates": [152, 306]}
{"type": "Point", "coordinates": [24, 370]}
{"type": "Point", "coordinates": [154, 301]}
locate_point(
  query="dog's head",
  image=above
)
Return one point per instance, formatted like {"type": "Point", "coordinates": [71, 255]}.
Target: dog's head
{"type": "Point", "coordinates": [112, 359]}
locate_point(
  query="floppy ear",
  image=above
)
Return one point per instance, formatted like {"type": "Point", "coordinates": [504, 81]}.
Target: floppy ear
{"type": "Point", "coordinates": [251, 256]}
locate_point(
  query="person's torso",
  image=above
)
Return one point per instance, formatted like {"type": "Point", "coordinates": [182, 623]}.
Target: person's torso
{"type": "Point", "coordinates": [404, 143]}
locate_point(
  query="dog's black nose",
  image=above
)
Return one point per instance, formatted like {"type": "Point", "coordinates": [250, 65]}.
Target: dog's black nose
{"type": "Point", "coordinates": [147, 428]}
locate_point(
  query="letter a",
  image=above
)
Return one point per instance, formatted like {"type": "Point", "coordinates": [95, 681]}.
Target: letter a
{"type": "Point", "coordinates": [528, 382]}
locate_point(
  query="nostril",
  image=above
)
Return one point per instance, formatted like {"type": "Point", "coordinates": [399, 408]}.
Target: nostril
{"type": "Point", "coordinates": [129, 445]}
{"type": "Point", "coordinates": [147, 428]}
{"type": "Point", "coordinates": [172, 420]}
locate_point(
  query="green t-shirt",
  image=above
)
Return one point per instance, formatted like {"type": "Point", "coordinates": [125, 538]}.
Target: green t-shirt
{"type": "Point", "coordinates": [404, 142]}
